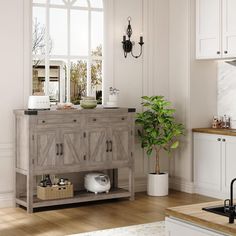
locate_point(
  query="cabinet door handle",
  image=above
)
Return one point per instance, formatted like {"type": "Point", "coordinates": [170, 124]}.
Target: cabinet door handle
{"type": "Point", "coordinates": [223, 140]}
{"type": "Point", "coordinates": [110, 146]}
{"type": "Point", "coordinates": [107, 143]}
{"type": "Point", "coordinates": [219, 139]}
{"type": "Point", "coordinates": [225, 52]}
{"type": "Point", "coordinates": [84, 157]}
{"type": "Point", "coordinates": [218, 52]}
{"type": "Point", "coordinates": [61, 153]}
{"type": "Point", "coordinates": [57, 145]}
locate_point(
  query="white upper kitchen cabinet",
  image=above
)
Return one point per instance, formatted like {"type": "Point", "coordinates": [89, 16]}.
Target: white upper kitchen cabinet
{"type": "Point", "coordinates": [208, 19]}
{"type": "Point", "coordinates": [229, 28]}
{"type": "Point", "coordinates": [215, 29]}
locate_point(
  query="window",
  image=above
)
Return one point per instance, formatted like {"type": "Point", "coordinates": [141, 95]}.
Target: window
{"type": "Point", "coordinates": [67, 45]}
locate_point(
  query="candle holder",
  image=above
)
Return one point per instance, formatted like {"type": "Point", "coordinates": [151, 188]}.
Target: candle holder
{"type": "Point", "coordinates": [128, 44]}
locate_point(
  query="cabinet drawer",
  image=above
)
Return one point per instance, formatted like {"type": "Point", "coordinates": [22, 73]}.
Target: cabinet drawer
{"type": "Point", "coordinates": [112, 119]}
{"type": "Point", "coordinates": [57, 120]}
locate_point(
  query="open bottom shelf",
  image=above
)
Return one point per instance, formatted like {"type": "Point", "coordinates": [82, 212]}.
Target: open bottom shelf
{"type": "Point", "coordinates": [79, 196]}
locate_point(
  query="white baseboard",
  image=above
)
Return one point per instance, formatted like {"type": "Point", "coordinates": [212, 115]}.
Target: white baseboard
{"type": "Point", "coordinates": [140, 184]}
{"type": "Point", "coordinates": [181, 185]}
{"type": "Point", "coordinates": [7, 200]}
{"type": "Point", "coordinates": [211, 193]}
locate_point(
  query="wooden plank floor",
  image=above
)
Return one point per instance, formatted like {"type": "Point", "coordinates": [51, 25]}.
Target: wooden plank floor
{"type": "Point", "coordinates": [92, 216]}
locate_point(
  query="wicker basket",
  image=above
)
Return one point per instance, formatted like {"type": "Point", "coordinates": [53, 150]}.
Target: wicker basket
{"type": "Point", "coordinates": [55, 192]}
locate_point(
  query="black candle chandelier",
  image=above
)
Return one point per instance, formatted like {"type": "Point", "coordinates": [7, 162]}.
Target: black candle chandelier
{"type": "Point", "coordinates": [128, 44]}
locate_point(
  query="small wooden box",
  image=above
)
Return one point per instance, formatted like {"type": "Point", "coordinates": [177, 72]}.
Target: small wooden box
{"type": "Point", "coordinates": [55, 192]}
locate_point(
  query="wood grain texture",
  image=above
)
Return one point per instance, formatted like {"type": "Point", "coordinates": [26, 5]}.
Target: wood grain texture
{"type": "Point", "coordinates": [195, 215]}
{"type": "Point", "coordinates": [93, 216]}
{"type": "Point", "coordinates": [229, 132]}
{"type": "Point", "coordinates": [74, 141]}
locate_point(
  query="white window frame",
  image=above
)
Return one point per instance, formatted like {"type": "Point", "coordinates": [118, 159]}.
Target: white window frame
{"type": "Point", "coordinates": [89, 58]}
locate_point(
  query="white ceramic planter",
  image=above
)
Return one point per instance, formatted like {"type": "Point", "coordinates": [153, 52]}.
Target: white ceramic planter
{"type": "Point", "coordinates": [158, 185]}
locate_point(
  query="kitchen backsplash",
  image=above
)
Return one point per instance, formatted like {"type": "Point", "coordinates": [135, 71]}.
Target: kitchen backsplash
{"type": "Point", "coordinates": [227, 91]}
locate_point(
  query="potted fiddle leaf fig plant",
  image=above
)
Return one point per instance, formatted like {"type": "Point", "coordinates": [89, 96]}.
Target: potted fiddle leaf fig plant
{"type": "Point", "coordinates": [159, 131]}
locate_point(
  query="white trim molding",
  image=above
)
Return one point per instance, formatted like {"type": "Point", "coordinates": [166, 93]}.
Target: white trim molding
{"type": "Point", "coordinates": [140, 184]}
{"type": "Point", "coordinates": [6, 150]}
{"type": "Point", "coordinates": [7, 200]}
{"type": "Point", "coordinates": [181, 185]}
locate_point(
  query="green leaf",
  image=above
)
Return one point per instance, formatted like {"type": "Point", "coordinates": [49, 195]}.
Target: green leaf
{"type": "Point", "coordinates": [175, 145]}
{"type": "Point", "coordinates": [149, 152]}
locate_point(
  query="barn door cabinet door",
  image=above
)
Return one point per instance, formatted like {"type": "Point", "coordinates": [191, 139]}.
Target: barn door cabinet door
{"type": "Point", "coordinates": [72, 146]}
{"type": "Point", "coordinates": [98, 145]}
{"type": "Point", "coordinates": [46, 149]}
{"type": "Point", "coordinates": [119, 144]}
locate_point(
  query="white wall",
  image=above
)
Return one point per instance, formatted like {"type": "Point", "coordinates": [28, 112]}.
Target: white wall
{"type": "Point", "coordinates": [11, 67]}
{"type": "Point", "coordinates": [193, 87]}
{"type": "Point", "coordinates": [167, 68]}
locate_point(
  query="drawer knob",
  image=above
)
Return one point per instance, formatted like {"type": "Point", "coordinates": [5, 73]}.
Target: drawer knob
{"type": "Point", "coordinates": [223, 140]}
{"type": "Point", "coordinates": [219, 139]}
{"type": "Point", "coordinates": [43, 121]}
{"type": "Point", "coordinates": [94, 119]}
{"type": "Point", "coordinates": [225, 52]}
{"type": "Point", "coordinates": [75, 120]}
{"type": "Point", "coordinates": [218, 52]}
{"type": "Point", "coordinates": [123, 118]}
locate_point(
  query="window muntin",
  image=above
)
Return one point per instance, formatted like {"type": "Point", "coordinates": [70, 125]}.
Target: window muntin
{"type": "Point", "coordinates": [71, 45]}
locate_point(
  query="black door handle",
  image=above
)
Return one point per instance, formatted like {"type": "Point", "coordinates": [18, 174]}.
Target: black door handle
{"type": "Point", "coordinates": [107, 143]}
{"type": "Point", "coordinates": [61, 153]}
{"type": "Point", "coordinates": [57, 145]}
{"type": "Point", "coordinates": [110, 146]}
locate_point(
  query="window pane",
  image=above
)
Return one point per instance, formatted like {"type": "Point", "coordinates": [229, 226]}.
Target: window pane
{"type": "Point", "coordinates": [96, 3]}
{"type": "Point", "coordinates": [81, 3]}
{"type": "Point", "coordinates": [58, 31]}
{"type": "Point", "coordinates": [39, 1]}
{"type": "Point", "coordinates": [57, 2]}
{"type": "Point", "coordinates": [96, 79]}
{"type": "Point", "coordinates": [57, 81]}
{"type": "Point", "coordinates": [39, 30]}
{"type": "Point", "coordinates": [78, 80]}
{"type": "Point", "coordinates": [97, 33]}
{"type": "Point", "coordinates": [38, 74]}
{"type": "Point", "coordinates": [79, 32]}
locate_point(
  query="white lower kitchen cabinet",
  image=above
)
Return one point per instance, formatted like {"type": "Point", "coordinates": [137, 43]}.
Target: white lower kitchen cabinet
{"type": "Point", "coordinates": [214, 164]}
{"type": "Point", "coordinates": [176, 227]}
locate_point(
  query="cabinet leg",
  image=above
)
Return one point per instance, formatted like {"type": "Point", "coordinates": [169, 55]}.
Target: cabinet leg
{"type": "Point", "coordinates": [115, 178]}
{"type": "Point", "coordinates": [131, 184]}
{"type": "Point", "coordinates": [30, 193]}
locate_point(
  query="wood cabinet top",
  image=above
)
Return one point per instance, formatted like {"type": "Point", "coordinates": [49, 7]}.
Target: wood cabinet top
{"type": "Point", "coordinates": [98, 110]}
{"type": "Point", "coordinates": [194, 214]}
{"type": "Point", "coordinates": [229, 132]}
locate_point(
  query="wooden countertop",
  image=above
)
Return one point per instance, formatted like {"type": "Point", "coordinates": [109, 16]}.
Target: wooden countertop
{"type": "Point", "coordinates": [195, 215]}
{"type": "Point", "coordinates": [230, 132]}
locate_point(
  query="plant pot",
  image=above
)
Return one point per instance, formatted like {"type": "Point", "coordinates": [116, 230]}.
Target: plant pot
{"type": "Point", "coordinates": [158, 184]}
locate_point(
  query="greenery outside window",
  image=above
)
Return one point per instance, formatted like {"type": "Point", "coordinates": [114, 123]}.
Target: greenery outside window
{"type": "Point", "coordinates": [67, 46]}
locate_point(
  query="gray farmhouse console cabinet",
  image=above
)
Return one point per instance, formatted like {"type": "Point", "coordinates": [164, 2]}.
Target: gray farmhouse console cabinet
{"type": "Point", "coordinates": [72, 141]}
